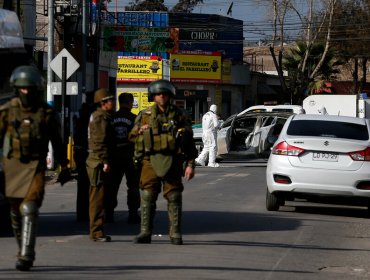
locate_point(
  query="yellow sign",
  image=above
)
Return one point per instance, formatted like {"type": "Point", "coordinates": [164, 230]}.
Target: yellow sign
{"type": "Point", "coordinates": [140, 102]}
{"type": "Point", "coordinates": [139, 68]}
{"type": "Point", "coordinates": [195, 67]}
{"type": "Point", "coordinates": [226, 71]}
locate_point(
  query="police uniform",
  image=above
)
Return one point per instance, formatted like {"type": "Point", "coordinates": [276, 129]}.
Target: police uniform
{"type": "Point", "coordinates": [101, 140]}
{"type": "Point", "coordinates": [27, 124]}
{"type": "Point", "coordinates": [123, 164]}
{"type": "Point", "coordinates": [163, 149]}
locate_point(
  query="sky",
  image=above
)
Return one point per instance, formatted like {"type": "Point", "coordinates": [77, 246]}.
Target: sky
{"type": "Point", "coordinates": [256, 16]}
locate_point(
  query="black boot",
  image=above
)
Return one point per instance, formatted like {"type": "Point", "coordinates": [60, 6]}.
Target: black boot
{"type": "Point", "coordinates": [147, 215]}
{"type": "Point", "coordinates": [23, 265]}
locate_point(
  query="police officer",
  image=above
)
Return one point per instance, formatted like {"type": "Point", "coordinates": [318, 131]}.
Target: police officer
{"type": "Point", "coordinates": [123, 164]}
{"type": "Point", "coordinates": [27, 124]}
{"type": "Point", "coordinates": [101, 140]}
{"type": "Point", "coordinates": [164, 144]}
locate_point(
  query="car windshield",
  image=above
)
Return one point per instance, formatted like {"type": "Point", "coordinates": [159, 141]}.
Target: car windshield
{"type": "Point", "coordinates": [331, 129]}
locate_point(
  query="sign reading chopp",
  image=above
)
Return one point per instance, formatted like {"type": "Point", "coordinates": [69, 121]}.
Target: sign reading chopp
{"type": "Point", "coordinates": [196, 67]}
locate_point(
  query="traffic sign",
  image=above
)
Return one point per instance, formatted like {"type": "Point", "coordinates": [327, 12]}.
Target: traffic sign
{"type": "Point", "coordinates": [56, 88]}
{"type": "Point", "coordinates": [57, 62]}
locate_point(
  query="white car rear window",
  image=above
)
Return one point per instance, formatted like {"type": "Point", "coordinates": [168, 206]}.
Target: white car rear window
{"type": "Point", "coordinates": [331, 129]}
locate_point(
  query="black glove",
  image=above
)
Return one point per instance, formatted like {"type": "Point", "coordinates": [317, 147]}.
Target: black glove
{"type": "Point", "coordinates": [64, 176]}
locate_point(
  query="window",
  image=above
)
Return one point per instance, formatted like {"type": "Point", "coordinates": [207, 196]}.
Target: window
{"type": "Point", "coordinates": [332, 129]}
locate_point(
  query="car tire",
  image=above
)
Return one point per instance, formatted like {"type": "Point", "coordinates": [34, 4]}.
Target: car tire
{"type": "Point", "coordinates": [273, 202]}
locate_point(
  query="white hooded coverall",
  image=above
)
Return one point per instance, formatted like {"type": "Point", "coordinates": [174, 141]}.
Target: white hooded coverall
{"type": "Point", "coordinates": [210, 125]}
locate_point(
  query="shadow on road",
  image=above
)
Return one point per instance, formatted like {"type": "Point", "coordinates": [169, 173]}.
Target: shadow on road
{"type": "Point", "coordinates": [194, 222]}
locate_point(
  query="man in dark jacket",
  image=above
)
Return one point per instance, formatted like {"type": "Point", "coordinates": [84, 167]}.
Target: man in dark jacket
{"type": "Point", "coordinates": [98, 163]}
{"type": "Point", "coordinates": [123, 163]}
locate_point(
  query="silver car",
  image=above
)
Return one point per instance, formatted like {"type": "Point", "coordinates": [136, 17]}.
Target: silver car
{"type": "Point", "coordinates": [245, 135]}
{"type": "Point", "coordinates": [320, 158]}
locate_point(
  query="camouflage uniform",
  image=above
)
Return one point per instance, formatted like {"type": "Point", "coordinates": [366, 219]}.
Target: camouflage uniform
{"type": "Point", "coordinates": [164, 150]}
{"type": "Point", "coordinates": [25, 132]}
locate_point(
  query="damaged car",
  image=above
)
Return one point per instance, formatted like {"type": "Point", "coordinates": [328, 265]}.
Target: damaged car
{"type": "Point", "coordinates": [245, 135]}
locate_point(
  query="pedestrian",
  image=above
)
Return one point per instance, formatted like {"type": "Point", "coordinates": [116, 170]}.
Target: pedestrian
{"type": "Point", "coordinates": [210, 125]}
{"type": "Point", "coordinates": [100, 141]}
{"type": "Point", "coordinates": [80, 153]}
{"type": "Point", "coordinates": [27, 124]}
{"type": "Point", "coordinates": [165, 147]}
{"type": "Point", "coordinates": [123, 162]}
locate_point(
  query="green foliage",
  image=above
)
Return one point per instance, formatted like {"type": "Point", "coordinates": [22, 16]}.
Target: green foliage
{"type": "Point", "coordinates": [300, 81]}
{"type": "Point", "coordinates": [183, 6]}
{"type": "Point", "coordinates": [147, 5]}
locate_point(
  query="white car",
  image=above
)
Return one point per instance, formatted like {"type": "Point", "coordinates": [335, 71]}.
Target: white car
{"type": "Point", "coordinates": [320, 158]}
{"type": "Point", "coordinates": [245, 135]}
{"type": "Point", "coordinates": [296, 109]}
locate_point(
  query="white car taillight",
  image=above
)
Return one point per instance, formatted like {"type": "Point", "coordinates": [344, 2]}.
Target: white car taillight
{"type": "Point", "coordinates": [363, 155]}
{"type": "Point", "coordinates": [284, 149]}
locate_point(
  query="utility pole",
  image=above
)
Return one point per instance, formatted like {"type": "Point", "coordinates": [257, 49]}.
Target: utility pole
{"type": "Point", "coordinates": [50, 97]}
{"type": "Point", "coordinates": [85, 30]}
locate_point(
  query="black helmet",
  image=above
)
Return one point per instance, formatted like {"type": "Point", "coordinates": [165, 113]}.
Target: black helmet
{"type": "Point", "coordinates": [102, 94]}
{"type": "Point", "coordinates": [27, 76]}
{"type": "Point", "coordinates": [161, 86]}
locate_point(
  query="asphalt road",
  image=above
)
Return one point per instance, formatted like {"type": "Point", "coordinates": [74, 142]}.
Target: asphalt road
{"type": "Point", "coordinates": [227, 234]}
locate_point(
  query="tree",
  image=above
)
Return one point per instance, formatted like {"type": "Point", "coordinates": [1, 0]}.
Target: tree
{"type": "Point", "coordinates": [147, 5]}
{"type": "Point", "coordinates": [183, 6]}
{"type": "Point", "coordinates": [318, 70]}
{"type": "Point", "coordinates": [351, 35]}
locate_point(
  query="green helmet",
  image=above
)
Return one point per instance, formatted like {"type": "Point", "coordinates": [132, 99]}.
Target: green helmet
{"type": "Point", "coordinates": [27, 76]}
{"type": "Point", "coordinates": [102, 94]}
{"type": "Point", "coordinates": [161, 86]}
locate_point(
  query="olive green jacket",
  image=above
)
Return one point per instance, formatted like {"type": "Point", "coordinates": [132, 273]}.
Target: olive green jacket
{"type": "Point", "coordinates": [101, 136]}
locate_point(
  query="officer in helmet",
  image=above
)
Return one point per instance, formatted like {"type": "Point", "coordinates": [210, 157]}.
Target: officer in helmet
{"type": "Point", "coordinates": [100, 141]}
{"type": "Point", "coordinates": [165, 147]}
{"type": "Point", "coordinates": [27, 124]}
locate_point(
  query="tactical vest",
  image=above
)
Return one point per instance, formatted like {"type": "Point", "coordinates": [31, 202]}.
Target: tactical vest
{"type": "Point", "coordinates": [163, 135]}
{"type": "Point", "coordinates": [25, 130]}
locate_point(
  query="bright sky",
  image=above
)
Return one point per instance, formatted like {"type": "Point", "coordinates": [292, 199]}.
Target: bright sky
{"type": "Point", "coordinates": [256, 17]}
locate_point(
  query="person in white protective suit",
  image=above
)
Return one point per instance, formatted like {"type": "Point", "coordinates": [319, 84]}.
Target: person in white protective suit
{"type": "Point", "coordinates": [210, 125]}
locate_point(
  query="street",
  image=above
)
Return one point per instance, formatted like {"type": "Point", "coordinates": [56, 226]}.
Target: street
{"type": "Point", "coordinates": [227, 232]}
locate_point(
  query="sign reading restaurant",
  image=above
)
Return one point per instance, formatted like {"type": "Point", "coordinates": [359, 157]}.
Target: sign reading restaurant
{"type": "Point", "coordinates": [139, 68]}
{"type": "Point", "coordinates": [196, 68]}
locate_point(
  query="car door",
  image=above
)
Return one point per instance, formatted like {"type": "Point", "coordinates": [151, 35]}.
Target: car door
{"type": "Point", "coordinates": [260, 143]}
{"type": "Point", "coordinates": [224, 136]}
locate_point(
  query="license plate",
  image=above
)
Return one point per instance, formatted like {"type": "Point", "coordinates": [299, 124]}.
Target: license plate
{"type": "Point", "coordinates": [324, 156]}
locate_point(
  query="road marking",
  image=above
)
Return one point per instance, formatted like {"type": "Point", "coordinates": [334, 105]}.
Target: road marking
{"type": "Point", "coordinates": [236, 175]}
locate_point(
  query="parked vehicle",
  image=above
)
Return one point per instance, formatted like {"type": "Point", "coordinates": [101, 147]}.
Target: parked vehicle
{"type": "Point", "coordinates": [296, 109]}
{"type": "Point", "coordinates": [320, 158]}
{"type": "Point", "coordinates": [246, 134]}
